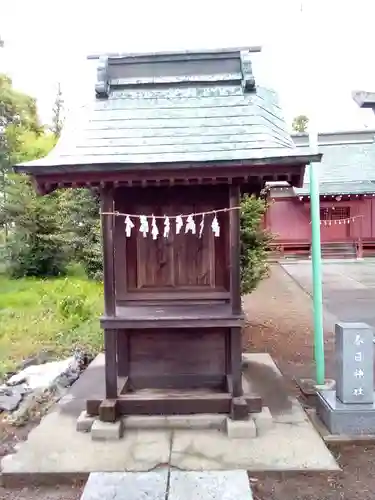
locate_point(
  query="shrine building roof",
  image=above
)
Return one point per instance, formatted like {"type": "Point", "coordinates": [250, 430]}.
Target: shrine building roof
{"type": "Point", "coordinates": [347, 165]}
{"type": "Point", "coordinates": [171, 109]}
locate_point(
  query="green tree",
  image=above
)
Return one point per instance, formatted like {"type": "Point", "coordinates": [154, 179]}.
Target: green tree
{"type": "Point", "coordinates": [300, 123]}
{"type": "Point", "coordinates": [36, 244]}
{"type": "Point", "coordinates": [18, 114]}
{"type": "Point", "coordinates": [57, 113]}
{"type": "Point", "coordinates": [254, 243]}
{"type": "Point", "coordinates": [82, 214]}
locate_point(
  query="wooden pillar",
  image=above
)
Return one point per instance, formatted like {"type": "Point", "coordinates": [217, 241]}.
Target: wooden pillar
{"type": "Point", "coordinates": [235, 292]}
{"type": "Point", "coordinates": [123, 353]}
{"type": "Point", "coordinates": [234, 240]}
{"type": "Point", "coordinates": [110, 348]}
{"type": "Point", "coordinates": [110, 336]}
{"type": "Point", "coordinates": [236, 361]}
{"type": "Point", "coordinates": [107, 205]}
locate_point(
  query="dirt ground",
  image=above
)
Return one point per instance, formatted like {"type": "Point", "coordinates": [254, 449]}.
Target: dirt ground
{"type": "Point", "coordinates": [279, 321]}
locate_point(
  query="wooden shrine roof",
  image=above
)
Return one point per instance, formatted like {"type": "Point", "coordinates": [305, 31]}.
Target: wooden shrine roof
{"type": "Point", "coordinates": [171, 109]}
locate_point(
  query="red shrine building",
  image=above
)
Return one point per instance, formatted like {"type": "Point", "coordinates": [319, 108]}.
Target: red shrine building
{"type": "Point", "coordinates": [347, 200]}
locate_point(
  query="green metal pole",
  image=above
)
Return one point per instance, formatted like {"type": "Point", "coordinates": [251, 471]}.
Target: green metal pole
{"type": "Point", "coordinates": [316, 258]}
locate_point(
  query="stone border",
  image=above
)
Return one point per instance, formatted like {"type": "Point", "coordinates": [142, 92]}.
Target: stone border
{"type": "Point", "coordinates": [337, 438]}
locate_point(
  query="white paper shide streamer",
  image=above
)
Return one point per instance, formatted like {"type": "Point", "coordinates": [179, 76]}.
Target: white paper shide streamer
{"type": "Point", "coordinates": [128, 226]}
{"type": "Point", "coordinates": [154, 228]}
{"type": "Point", "coordinates": [143, 228]}
{"type": "Point", "coordinates": [201, 226]}
{"type": "Point", "coordinates": [193, 223]}
{"type": "Point", "coordinates": [215, 227]}
{"type": "Point", "coordinates": [190, 225]}
{"type": "Point", "coordinates": [167, 227]}
{"type": "Point", "coordinates": [179, 224]}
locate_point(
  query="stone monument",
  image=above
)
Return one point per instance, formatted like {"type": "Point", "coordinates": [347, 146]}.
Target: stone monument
{"type": "Point", "coordinates": [350, 408]}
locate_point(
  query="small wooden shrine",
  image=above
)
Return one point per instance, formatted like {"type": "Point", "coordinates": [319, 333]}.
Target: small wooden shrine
{"type": "Point", "coordinates": [171, 140]}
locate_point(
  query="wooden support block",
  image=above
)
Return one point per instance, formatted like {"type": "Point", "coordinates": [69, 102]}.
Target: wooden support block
{"type": "Point", "coordinates": [254, 403]}
{"type": "Point", "coordinates": [108, 410]}
{"type": "Point", "coordinates": [92, 406]}
{"type": "Point", "coordinates": [239, 409]}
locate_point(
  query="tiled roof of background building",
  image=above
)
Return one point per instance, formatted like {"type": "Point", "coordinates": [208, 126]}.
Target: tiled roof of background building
{"type": "Point", "coordinates": [347, 165]}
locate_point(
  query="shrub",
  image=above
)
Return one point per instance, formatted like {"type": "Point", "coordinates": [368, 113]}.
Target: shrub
{"type": "Point", "coordinates": [75, 307]}
{"type": "Point", "coordinates": [254, 243]}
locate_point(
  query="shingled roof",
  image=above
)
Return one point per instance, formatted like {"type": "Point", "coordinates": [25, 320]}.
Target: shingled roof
{"type": "Point", "coordinates": [171, 108]}
{"type": "Point", "coordinates": [348, 162]}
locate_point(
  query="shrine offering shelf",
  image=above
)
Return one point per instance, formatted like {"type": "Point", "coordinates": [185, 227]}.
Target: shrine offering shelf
{"type": "Point", "coordinates": [180, 316]}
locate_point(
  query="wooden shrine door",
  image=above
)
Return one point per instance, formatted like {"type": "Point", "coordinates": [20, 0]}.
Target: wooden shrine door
{"type": "Point", "coordinates": [180, 264]}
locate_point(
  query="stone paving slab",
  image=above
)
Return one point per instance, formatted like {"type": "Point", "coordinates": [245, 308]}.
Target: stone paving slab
{"type": "Point", "coordinates": [165, 484]}
{"type": "Point", "coordinates": [228, 485]}
{"type": "Point", "coordinates": [127, 486]}
{"type": "Point", "coordinates": [56, 448]}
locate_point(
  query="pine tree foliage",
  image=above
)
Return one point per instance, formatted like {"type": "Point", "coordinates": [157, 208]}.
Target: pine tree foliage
{"type": "Point", "coordinates": [38, 244]}
{"type": "Point", "coordinates": [82, 212]}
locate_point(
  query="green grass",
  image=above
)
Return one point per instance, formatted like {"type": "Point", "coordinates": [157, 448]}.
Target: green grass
{"type": "Point", "coordinates": [57, 315]}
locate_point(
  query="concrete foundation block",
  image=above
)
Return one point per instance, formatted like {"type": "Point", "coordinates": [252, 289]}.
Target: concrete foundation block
{"type": "Point", "coordinates": [106, 431]}
{"type": "Point", "coordinates": [241, 428]}
{"type": "Point", "coordinates": [84, 422]}
{"type": "Point", "coordinates": [203, 421]}
{"type": "Point", "coordinates": [263, 420]}
{"type": "Point", "coordinates": [347, 419]}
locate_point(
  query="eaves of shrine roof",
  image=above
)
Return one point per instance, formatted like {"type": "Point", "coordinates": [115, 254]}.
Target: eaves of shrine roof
{"type": "Point", "coordinates": [169, 109]}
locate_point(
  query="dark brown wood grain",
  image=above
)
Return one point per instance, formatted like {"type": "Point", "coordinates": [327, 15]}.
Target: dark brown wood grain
{"type": "Point", "coordinates": [108, 410]}
{"type": "Point", "coordinates": [107, 223]}
{"type": "Point", "coordinates": [122, 353]}
{"type": "Point", "coordinates": [178, 381]}
{"type": "Point", "coordinates": [175, 352]}
{"type": "Point", "coordinates": [180, 263]}
{"type": "Point", "coordinates": [258, 171]}
{"type": "Point", "coordinates": [174, 321]}
{"type": "Point", "coordinates": [235, 361]}
{"type": "Point", "coordinates": [110, 349]}
{"type": "Point", "coordinates": [234, 221]}
{"type": "Point", "coordinates": [170, 403]}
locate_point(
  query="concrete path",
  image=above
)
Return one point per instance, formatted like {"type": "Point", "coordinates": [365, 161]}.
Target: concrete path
{"type": "Point", "coordinates": [55, 449]}
{"type": "Point", "coordinates": [348, 288]}
{"type": "Point", "coordinates": [168, 485]}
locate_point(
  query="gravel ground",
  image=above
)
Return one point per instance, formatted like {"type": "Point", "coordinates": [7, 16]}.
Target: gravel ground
{"type": "Point", "coordinates": [279, 322]}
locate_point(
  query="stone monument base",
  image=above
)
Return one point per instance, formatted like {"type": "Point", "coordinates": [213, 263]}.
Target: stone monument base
{"type": "Point", "coordinates": [340, 418]}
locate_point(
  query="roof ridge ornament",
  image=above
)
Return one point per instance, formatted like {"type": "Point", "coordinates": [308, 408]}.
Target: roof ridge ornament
{"type": "Point", "coordinates": [102, 82]}
{"type": "Point", "coordinates": [248, 80]}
